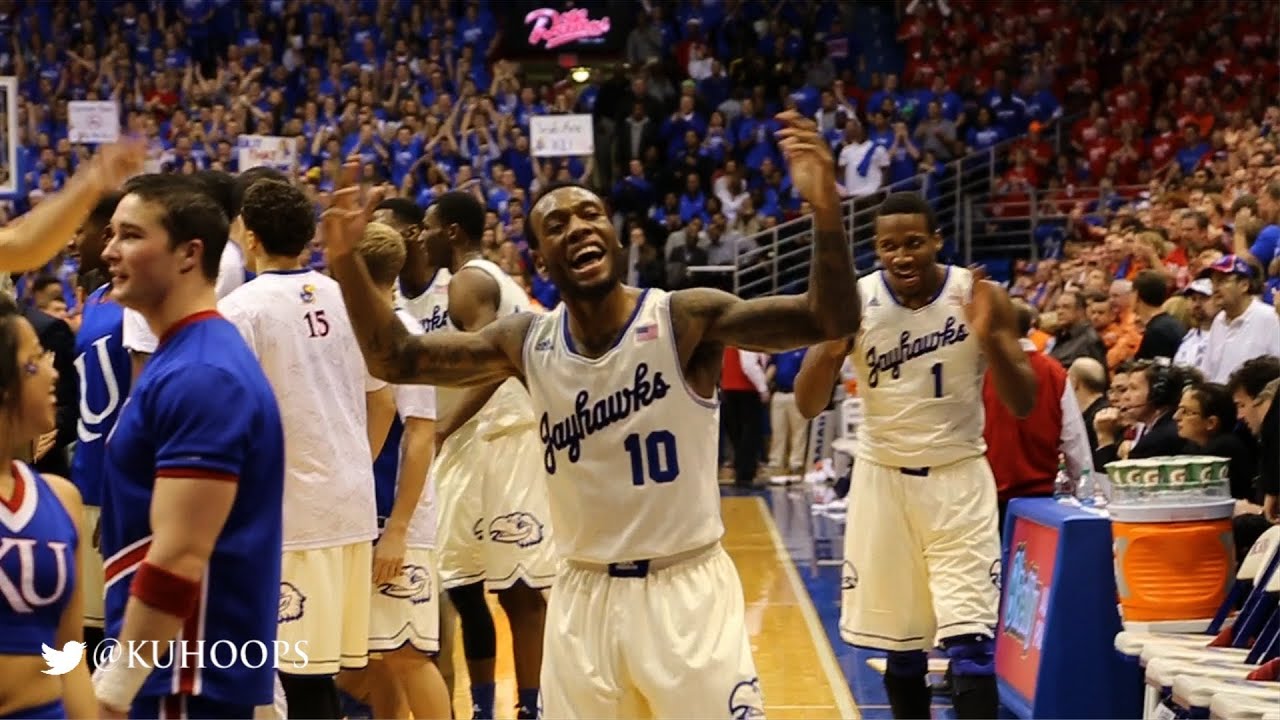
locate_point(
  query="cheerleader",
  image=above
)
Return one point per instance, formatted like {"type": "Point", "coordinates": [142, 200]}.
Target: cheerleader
{"type": "Point", "coordinates": [43, 673]}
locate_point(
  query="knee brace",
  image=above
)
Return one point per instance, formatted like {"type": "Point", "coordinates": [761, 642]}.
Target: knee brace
{"type": "Point", "coordinates": [907, 663]}
{"type": "Point", "coordinates": [972, 655]}
{"type": "Point", "coordinates": [479, 638]}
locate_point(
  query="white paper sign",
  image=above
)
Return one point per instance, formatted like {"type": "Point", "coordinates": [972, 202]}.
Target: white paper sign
{"type": "Point", "coordinates": [280, 153]}
{"type": "Point", "coordinates": [562, 135]}
{"type": "Point", "coordinates": [93, 121]}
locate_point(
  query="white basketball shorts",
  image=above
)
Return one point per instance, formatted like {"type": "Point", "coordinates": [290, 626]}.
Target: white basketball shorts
{"type": "Point", "coordinates": [494, 523]}
{"type": "Point", "coordinates": [406, 611]}
{"type": "Point", "coordinates": [922, 555]}
{"type": "Point", "coordinates": [671, 644]}
{"type": "Point", "coordinates": [324, 600]}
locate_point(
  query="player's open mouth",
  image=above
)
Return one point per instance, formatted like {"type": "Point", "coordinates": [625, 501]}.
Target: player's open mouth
{"type": "Point", "coordinates": [587, 258]}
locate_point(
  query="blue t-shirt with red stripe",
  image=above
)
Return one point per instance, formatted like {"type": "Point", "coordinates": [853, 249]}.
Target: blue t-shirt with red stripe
{"type": "Point", "coordinates": [202, 408]}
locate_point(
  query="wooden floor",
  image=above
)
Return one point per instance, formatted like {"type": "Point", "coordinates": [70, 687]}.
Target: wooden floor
{"type": "Point", "coordinates": [798, 671]}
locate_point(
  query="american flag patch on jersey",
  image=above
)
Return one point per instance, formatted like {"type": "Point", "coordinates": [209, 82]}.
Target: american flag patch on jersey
{"type": "Point", "coordinates": [647, 332]}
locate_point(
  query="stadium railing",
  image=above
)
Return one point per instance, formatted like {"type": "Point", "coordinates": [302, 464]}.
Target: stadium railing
{"type": "Point", "coordinates": [776, 260]}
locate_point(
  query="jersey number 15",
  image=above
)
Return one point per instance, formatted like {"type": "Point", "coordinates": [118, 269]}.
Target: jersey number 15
{"type": "Point", "coordinates": [317, 324]}
{"type": "Point", "coordinates": [659, 450]}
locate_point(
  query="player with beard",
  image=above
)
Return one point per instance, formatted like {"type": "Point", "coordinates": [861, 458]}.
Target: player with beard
{"type": "Point", "coordinates": [920, 568]}
{"type": "Point", "coordinates": [102, 364]}
{"type": "Point", "coordinates": [624, 383]}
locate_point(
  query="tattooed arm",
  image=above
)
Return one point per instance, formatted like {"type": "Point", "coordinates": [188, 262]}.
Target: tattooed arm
{"type": "Point", "coordinates": [453, 359]}
{"type": "Point", "coordinates": [828, 311]}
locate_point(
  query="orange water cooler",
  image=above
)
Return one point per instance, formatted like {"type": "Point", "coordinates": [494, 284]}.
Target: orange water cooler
{"type": "Point", "coordinates": [1173, 563]}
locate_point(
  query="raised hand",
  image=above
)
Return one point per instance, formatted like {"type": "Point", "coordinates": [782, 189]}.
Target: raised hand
{"type": "Point", "coordinates": [808, 157]}
{"type": "Point", "coordinates": [115, 163]}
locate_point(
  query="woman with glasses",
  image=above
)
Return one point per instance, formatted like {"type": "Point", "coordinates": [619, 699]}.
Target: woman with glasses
{"type": "Point", "coordinates": [1206, 418]}
{"type": "Point", "coordinates": [42, 673]}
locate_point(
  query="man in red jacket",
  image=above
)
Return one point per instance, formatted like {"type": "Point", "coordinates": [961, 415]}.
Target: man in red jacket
{"type": "Point", "coordinates": [1023, 453]}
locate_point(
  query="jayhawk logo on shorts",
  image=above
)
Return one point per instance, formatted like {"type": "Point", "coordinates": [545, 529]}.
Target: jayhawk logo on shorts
{"type": "Point", "coordinates": [414, 585]}
{"type": "Point", "coordinates": [518, 528]}
{"type": "Point", "coordinates": [849, 576]}
{"type": "Point", "coordinates": [478, 529]}
{"type": "Point", "coordinates": [994, 572]}
{"type": "Point", "coordinates": [308, 293]}
{"type": "Point", "coordinates": [291, 602]}
{"type": "Point", "coordinates": [746, 702]}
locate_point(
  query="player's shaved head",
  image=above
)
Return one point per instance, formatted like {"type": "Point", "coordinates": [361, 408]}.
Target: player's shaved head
{"type": "Point", "coordinates": [464, 210]}
{"type": "Point", "coordinates": [1088, 374]}
{"type": "Point", "coordinates": [909, 203]}
{"type": "Point", "coordinates": [280, 216]}
{"type": "Point", "coordinates": [382, 248]}
{"type": "Point", "coordinates": [399, 212]}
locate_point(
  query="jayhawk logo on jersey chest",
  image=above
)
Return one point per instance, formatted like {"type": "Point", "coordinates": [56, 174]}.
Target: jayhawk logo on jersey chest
{"type": "Point", "coordinates": [414, 585]}
{"type": "Point", "coordinates": [746, 702]}
{"type": "Point", "coordinates": [292, 603]}
{"type": "Point", "coordinates": [518, 528]}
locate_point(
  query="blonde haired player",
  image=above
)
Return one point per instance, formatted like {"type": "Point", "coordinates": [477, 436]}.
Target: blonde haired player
{"type": "Point", "coordinates": [922, 552]}
{"type": "Point", "coordinates": [404, 613]}
{"type": "Point", "coordinates": [647, 618]}
{"type": "Point", "coordinates": [335, 417]}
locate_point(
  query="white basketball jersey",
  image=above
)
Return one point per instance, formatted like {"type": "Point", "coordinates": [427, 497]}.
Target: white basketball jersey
{"type": "Point", "coordinates": [510, 407]}
{"type": "Point", "coordinates": [919, 376]}
{"type": "Point", "coordinates": [630, 451]}
{"type": "Point", "coordinates": [417, 401]}
{"type": "Point", "coordinates": [431, 308]}
{"type": "Point", "coordinates": [431, 311]}
{"type": "Point", "coordinates": [297, 325]}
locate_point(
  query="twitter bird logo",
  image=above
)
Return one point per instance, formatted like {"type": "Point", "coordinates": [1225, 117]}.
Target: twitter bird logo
{"type": "Point", "coordinates": [62, 661]}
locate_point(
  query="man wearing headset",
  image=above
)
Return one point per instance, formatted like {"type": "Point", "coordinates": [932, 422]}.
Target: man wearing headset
{"type": "Point", "coordinates": [1152, 394]}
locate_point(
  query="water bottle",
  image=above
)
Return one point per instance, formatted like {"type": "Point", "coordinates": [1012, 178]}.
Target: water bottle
{"type": "Point", "coordinates": [1086, 489]}
{"type": "Point", "coordinates": [1099, 499]}
{"type": "Point", "coordinates": [1064, 488]}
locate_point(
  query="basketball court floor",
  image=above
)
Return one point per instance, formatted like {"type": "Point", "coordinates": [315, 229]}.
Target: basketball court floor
{"type": "Point", "coordinates": [792, 591]}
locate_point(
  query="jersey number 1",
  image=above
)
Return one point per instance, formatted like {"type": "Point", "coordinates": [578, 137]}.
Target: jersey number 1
{"type": "Point", "coordinates": [660, 451]}
{"type": "Point", "coordinates": [937, 379]}
{"type": "Point", "coordinates": [317, 323]}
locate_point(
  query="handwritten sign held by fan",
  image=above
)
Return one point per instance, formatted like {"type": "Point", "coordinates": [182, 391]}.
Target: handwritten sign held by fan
{"type": "Point", "coordinates": [562, 135]}
{"type": "Point", "coordinates": [280, 153]}
{"type": "Point", "coordinates": [93, 122]}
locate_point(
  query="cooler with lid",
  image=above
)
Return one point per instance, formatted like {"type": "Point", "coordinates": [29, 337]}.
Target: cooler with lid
{"type": "Point", "coordinates": [1173, 542]}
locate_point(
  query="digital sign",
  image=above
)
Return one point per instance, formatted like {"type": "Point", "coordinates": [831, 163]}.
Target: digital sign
{"type": "Point", "coordinates": [553, 28]}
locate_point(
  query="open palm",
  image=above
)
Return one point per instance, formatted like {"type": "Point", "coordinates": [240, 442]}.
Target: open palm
{"type": "Point", "coordinates": [809, 160]}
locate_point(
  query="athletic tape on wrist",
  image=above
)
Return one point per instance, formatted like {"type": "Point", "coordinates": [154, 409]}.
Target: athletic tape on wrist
{"type": "Point", "coordinates": [116, 683]}
{"type": "Point", "coordinates": [169, 593]}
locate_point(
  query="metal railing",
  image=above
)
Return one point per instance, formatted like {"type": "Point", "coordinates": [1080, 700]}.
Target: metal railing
{"type": "Point", "coordinates": [1006, 224]}
{"type": "Point", "coordinates": [777, 260]}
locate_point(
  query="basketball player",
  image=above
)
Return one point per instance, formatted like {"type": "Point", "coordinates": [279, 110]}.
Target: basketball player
{"type": "Point", "coordinates": [920, 567]}
{"type": "Point", "coordinates": [192, 500]}
{"type": "Point", "coordinates": [404, 606]}
{"type": "Point", "coordinates": [647, 617]}
{"type": "Point", "coordinates": [40, 600]}
{"type": "Point", "coordinates": [336, 418]}
{"type": "Point", "coordinates": [422, 291]}
{"type": "Point", "coordinates": [105, 379]}
{"type": "Point", "coordinates": [494, 525]}
{"type": "Point", "coordinates": [34, 238]}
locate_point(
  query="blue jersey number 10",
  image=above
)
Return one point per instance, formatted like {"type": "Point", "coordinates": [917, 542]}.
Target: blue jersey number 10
{"type": "Point", "coordinates": [660, 453]}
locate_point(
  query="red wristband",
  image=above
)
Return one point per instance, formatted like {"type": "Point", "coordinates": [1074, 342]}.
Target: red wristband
{"type": "Point", "coordinates": [170, 594]}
